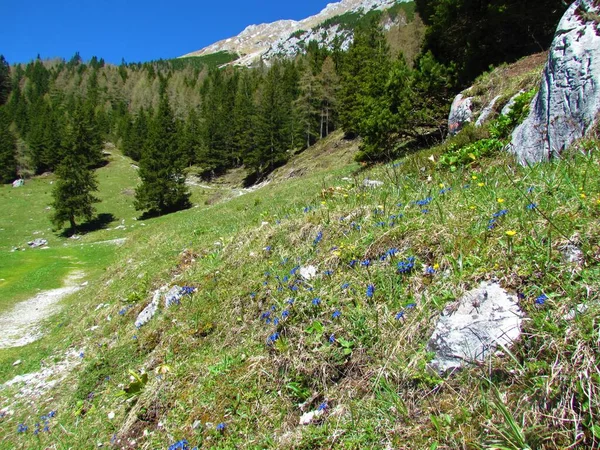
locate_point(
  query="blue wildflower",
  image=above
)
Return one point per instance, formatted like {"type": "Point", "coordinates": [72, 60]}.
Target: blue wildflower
{"type": "Point", "coordinates": [466, 186]}
{"type": "Point", "coordinates": [276, 321]}
{"type": "Point", "coordinates": [265, 315]}
{"type": "Point", "coordinates": [294, 270]}
{"type": "Point", "coordinates": [285, 314]}
{"type": "Point", "coordinates": [221, 426]}
{"type": "Point", "coordinates": [316, 301]}
{"type": "Point", "coordinates": [290, 301]}
{"type": "Point", "coordinates": [332, 339]}
{"type": "Point", "coordinates": [323, 406]}
{"type": "Point", "coordinates": [370, 290]}
{"type": "Point", "coordinates": [430, 270]}
{"type": "Point", "coordinates": [541, 300]}
{"type": "Point", "coordinates": [424, 202]}
{"type": "Point", "coordinates": [180, 445]}
{"type": "Point", "coordinates": [380, 224]}
{"type": "Point", "coordinates": [532, 206]}
{"type": "Point", "coordinates": [444, 191]}
{"type": "Point", "coordinates": [81, 355]}
{"type": "Point", "coordinates": [318, 238]}
{"type": "Point", "coordinates": [293, 288]}
{"type": "Point", "coordinates": [253, 295]}
{"type": "Point", "coordinates": [267, 248]}
{"type": "Point", "coordinates": [392, 252]}
{"type": "Point", "coordinates": [530, 190]}
{"type": "Point", "coordinates": [22, 428]}
{"type": "Point", "coordinates": [366, 263]}
{"type": "Point", "coordinates": [407, 265]}
{"type": "Point", "coordinates": [187, 290]}
{"type": "Point", "coordinates": [46, 429]}
{"type": "Point", "coordinates": [425, 211]}
{"type": "Point", "coordinates": [491, 224]}
{"type": "Point", "coordinates": [272, 338]}
{"type": "Point", "coordinates": [336, 314]}
{"type": "Point", "coordinates": [328, 272]}
{"type": "Point", "coordinates": [399, 316]}
{"type": "Point", "coordinates": [353, 263]}
{"type": "Point", "coordinates": [306, 209]}
{"type": "Point", "coordinates": [345, 286]}
{"type": "Point", "coordinates": [411, 305]}
{"type": "Point", "coordinates": [501, 213]}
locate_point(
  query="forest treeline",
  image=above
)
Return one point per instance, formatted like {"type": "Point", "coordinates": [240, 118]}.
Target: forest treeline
{"type": "Point", "coordinates": [217, 119]}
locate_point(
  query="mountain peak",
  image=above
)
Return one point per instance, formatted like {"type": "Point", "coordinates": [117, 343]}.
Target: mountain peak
{"type": "Point", "coordinates": [256, 41]}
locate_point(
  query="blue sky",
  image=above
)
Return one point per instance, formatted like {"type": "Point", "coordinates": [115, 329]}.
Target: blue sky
{"type": "Point", "coordinates": [132, 29]}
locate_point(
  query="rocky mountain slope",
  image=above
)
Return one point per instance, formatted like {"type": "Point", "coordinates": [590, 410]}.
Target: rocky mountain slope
{"type": "Point", "coordinates": [285, 37]}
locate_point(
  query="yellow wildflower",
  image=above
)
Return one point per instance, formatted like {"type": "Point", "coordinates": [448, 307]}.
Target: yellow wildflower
{"type": "Point", "coordinates": [500, 200]}
{"type": "Point", "coordinates": [511, 233]}
{"type": "Point", "coordinates": [481, 184]}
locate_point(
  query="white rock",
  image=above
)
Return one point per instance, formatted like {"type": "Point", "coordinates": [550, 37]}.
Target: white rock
{"type": "Point", "coordinates": [472, 328]}
{"type": "Point", "coordinates": [568, 102]}
{"type": "Point", "coordinates": [508, 107]}
{"type": "Point", "coordinates": [308, 272]}
{"type": "Point", "coordinates": [310, 417]}
{"type": "Point", "coordinates": [173, 297]}
{"type": "Point", "coordinates": [460, 113]}
{"type": "Point", "coordinates": [111, 415]}
{"type": "Point", "coordinates": [580, 309]}
{"type": "Point", "coordinates": [149, 311]}
{"type": "Point", "coordinates": [372, 183]}
{"type": "Point", "coordinates": [487, 112]}
{"type": "Point", "coordinates": [17, 362]}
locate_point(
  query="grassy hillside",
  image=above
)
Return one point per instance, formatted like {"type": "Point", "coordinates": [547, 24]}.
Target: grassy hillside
{"type": "Point", "coordinates": [238, 362]}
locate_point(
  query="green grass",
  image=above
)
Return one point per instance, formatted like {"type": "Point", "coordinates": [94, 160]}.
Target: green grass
{"type": "Point", "coordinates": [211, 352]}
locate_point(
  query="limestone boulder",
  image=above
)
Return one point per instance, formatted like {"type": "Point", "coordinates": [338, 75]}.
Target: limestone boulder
{"type": "Point", "coordinates": [474, 327]}
{"type": "Point", "coordinates": [568, 102]}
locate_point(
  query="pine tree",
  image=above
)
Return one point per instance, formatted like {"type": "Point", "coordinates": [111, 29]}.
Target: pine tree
{"type": "Point", "coordinates": [244, 117]}
{"type": "Point", "coordinates": [8, 148]}
{"type": "Point", "coordinates": [5, 82]}
{"type": "Point", "coordinates": [163, 187]}
{"type": "Point", "coordinates": [76, 182]}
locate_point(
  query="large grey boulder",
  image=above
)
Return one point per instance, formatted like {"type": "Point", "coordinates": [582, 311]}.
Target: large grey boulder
{"type": "Point", "coordinates": [461, 113]}
{"type": "Point", "coordinates": [472, 328]}
{"type": "Point", "coordinates": [568, 101]}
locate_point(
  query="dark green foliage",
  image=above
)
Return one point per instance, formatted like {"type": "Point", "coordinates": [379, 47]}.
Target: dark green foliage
{"type": "Point", "coordinates": [504, 125]}
{"type": "Point", "coordinates": [8, 149]}
{"type": "Point", "coordinates": [163, 187]}
{"type": "Point", "coordinates": [476, 34]}
{"type": "Point", "coordinates": [470, 154]}
{"type": "Point", "coordinates": [5, 81]}
{"type": "Point", "coordinates": [73, 192]}
{"type": "Point", "coordinates": [364, 75]}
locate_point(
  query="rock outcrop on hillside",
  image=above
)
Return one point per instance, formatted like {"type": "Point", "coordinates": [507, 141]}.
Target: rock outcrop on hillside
{"type": "Point", "coordinates": [568, 102]}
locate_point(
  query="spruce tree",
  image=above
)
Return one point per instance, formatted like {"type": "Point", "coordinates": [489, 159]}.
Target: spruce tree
{"type": "Point", "coordinates": [5, 82]}
{"type": "Point", "coordinates": [163, 187]}
{"type": "Point", "coordinates": [8, 149]}
{"type": "Point", "coordinates": [76, 182]}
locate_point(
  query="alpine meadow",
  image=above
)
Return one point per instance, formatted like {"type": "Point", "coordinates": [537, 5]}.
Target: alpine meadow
{"type": "Point", "coordinates": [374, 228]}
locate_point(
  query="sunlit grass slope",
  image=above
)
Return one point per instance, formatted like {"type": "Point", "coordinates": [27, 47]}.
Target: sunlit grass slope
{"type": "Point", "coordinates": [239, 361]}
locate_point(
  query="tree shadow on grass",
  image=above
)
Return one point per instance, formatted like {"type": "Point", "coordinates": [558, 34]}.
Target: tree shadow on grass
{"type": "Point", "coordinates": [100, 222]}
{"type": "Point", "coordinates": [153, 214]}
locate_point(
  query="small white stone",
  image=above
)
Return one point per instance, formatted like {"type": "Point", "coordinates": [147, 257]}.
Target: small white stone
{"type": "Point", "coordinates": [310, 417]}
{"type": "Point", "coordinates": [111, 415]}
{"type": "Point", "coordinates": [17, 362]}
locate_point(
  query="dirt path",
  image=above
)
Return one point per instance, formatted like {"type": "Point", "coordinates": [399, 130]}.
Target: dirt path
{"type": "Point", "coordinates": [22, 325]}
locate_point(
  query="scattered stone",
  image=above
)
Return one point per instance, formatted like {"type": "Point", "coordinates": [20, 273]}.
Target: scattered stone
{"type": "Point", "coordinates": [308, 272]}
{"type": "Point", "coordinates": [487, 112]}
{"type": "Point", "coordinates": [18, 183]}
{"type": "Point", "coordinates": [173, 297]}
{"type": "Point", "coordinates": [572, 254]}
{"type": "Point", "coordinates": [197, 425]}
{"type": "Point", "coordinates": [509, 106]}
{"type": "Point", "coordinates": [311, 417]}
{"type": "Point", "coordinates": [100, 306]}
{"type": "Point", "coordinates": [75, 237]}
{"type": "Point", "coordinates": [567, 105]}
{"type": "Point", "coordinates": [17, 362]}
{"type": "Point", "coordinates": [150, 311]}
{"type": "Point", "coordinates": [460, 113]}
{"type": "Point", "coordinates": [120, 227]}
{"type": "Point", "coordinates": [111, 415]}
{"type": "Point", "coordinates": [472, 328]}
{"type": "Point", "coordinates": [372, 183]}
{"type": "Point", "coordinates": [580, 309]}
{"type": "Point", "coordinates": [38, 243]}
